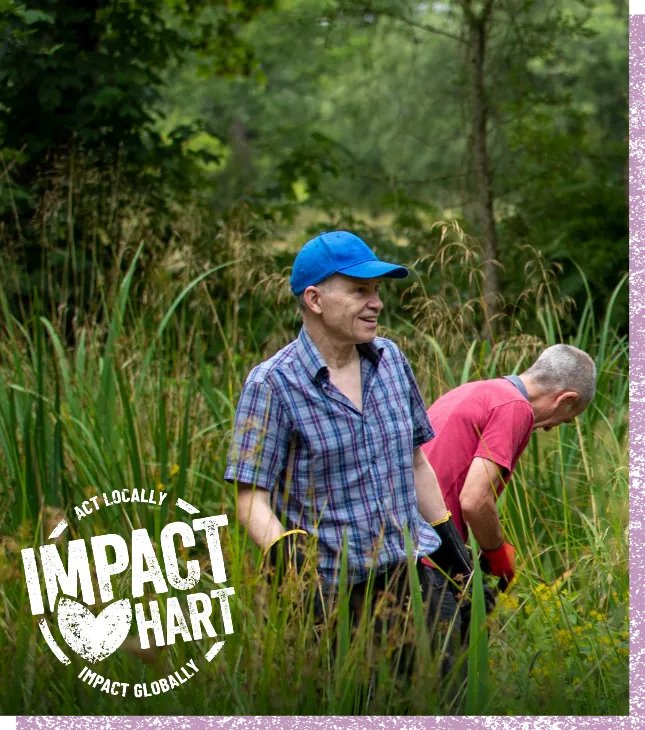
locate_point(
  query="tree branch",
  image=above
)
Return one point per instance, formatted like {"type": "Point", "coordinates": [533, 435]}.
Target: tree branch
{"type": "Point", "coordinates": [421, 26]}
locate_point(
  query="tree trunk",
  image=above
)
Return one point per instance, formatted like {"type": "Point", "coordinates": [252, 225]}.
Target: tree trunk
{"type": "Point", "coordinates": [477, 36]}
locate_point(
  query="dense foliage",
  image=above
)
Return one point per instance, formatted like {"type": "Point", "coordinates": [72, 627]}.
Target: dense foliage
{"type": "Point", "coordinates": [160, 122]}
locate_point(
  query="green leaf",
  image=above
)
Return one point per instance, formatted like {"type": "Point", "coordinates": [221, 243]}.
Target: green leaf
{"type": "Point", "coordinates": [49, 96]}
{"type": "Point", "coordinates": [478, 693]}
{"type": "Point", "coordinates": [465, 372]}
{"type": "Point", "coordinates": [31, 17]}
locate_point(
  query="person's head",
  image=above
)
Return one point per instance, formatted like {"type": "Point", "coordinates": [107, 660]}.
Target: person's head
{"type": "Point", "coordinates": [561, 384]}
{"type": "Point", "coordinates": [336, 278]}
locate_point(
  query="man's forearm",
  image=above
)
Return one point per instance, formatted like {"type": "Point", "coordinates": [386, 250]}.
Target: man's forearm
{"type": "Point", "coordinates": [429, 498]}
{"type": "Point", "coordinates": [486, 526]}
{"type": "Point", "coordinates": [477, 501]}
{"type": "Point", "coordinates": [255, 513]}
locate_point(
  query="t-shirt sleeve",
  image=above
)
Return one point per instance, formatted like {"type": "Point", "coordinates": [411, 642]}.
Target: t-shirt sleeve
{"type": "Point", "coordinates": [506, 433]}
{"type": "Point", "coordinates": [422, 430]}
{"type": "Point", "coordinates": [261, 437]}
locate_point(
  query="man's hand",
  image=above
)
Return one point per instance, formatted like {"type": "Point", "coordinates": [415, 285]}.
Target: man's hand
{"type": "Point", "coordinates": [290, 553]}
{"type": "Point", "coordinates": [453, 558]}
{"type": "Point", "coordinates": [287, 553]}
{"type": "Point", "coordinates": [452, 555]}
{"type": "Point", "coordinates": [499, 562]}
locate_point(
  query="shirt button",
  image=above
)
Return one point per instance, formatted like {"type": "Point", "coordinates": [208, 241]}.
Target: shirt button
{"type": "Point", "coordinates": [374, 458]}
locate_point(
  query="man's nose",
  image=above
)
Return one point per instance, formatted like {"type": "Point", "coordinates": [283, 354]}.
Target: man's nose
{"type": "Point", "coordinates": [375, 303]}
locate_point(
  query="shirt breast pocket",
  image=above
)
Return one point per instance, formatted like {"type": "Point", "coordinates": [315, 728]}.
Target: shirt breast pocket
{"type": "Point", "coordinates": [393, 415]}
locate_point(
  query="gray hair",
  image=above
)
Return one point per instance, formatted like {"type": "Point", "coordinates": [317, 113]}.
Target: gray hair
{"type": "Point", "coordinates": [324, 284]}
{"type": "Point", "coordinates": [564, 367]}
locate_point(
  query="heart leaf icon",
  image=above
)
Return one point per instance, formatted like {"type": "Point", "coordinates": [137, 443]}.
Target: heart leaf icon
{"type": "Point", "coordinates": [94, 637]}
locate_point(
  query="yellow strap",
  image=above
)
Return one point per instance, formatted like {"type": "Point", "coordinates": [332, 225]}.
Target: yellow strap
{"type": "Point", "coordinates": [284, 534]}
{"type": "Point", "coordinates": [441, 521]}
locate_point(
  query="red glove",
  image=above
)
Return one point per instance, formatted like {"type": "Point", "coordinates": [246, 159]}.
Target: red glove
{"type": "Point", "coordinates": [500, 562]}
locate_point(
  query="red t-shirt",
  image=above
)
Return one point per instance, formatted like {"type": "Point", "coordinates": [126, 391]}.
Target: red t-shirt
{"type": "Point", "coordinates": [488, 418]}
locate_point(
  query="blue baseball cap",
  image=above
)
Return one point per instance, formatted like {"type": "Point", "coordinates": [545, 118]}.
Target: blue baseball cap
{"type": "Point", "coordinates": [338, 252]}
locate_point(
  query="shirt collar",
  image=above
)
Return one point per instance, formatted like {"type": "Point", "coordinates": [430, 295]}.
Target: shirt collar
{"type": "Point", "coordinates": [372, 352]}
{"type": "Point", "coordinates": [313, 361]}
{"type": "Point", "coordinates": [517, 382]}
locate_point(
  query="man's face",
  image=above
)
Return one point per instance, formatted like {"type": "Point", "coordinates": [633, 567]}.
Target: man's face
{"type": "Point", "coordinates": [350, 308]}
{"type": "Point", "coordinates": [559, 413]}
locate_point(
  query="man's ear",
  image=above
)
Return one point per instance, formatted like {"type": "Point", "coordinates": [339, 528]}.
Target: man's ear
{"type": "Point", "coordinates": [312, 297]}
{"type": "Point", "coordinates": [569, 398]}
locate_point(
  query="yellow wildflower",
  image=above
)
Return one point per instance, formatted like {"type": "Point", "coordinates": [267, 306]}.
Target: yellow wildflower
{"type": "Point", "coordinates": [174, 470]}
{"type": "Point", "coordinates": [160, 487]}
{"type": "Point", "coordinates": [506, 601]}
{"type": "Point", "coordinates": [562, 636]}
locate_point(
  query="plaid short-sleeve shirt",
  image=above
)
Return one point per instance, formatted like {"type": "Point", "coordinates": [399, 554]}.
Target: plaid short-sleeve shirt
{"type": "Point", "coordinates": [331, 468]}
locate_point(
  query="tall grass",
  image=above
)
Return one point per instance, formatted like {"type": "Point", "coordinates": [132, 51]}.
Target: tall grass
{"type": "Point", "coordinates": [145, 400]}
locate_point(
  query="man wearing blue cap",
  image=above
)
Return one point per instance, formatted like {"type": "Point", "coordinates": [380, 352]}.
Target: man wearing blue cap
{"type": "Point", "coordinates": [328, 433]}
